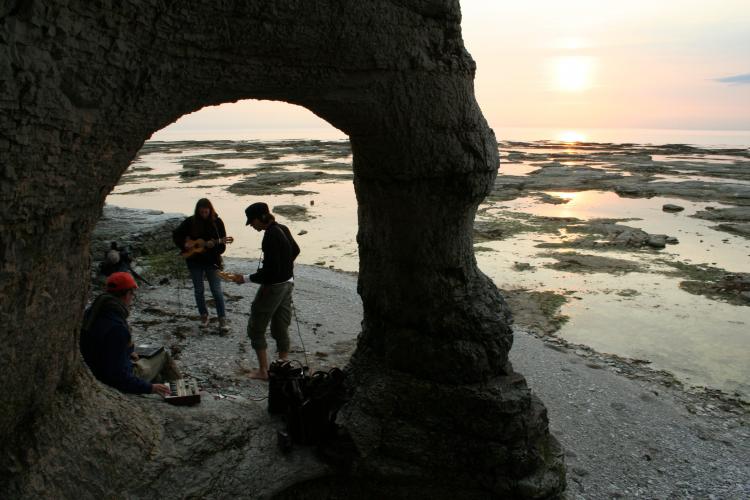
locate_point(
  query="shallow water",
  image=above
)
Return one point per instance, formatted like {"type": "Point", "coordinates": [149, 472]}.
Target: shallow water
{"type": "Point", "coordinates": [643, 315]}
{"type": "Point", "coordinates": [637, 315]}
{"type": "Point", "coordinates": [699, 243]}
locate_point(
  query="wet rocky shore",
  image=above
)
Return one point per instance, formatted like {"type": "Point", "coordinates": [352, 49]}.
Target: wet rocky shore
{"type": "Point", "coordinates": [638, 250]}
{"type": "Point", "coordinates": [631, 170]}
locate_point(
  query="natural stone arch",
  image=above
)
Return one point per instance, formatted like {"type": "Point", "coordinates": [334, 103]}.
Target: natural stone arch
{"type": "Point", "coordinates": [85, 83]}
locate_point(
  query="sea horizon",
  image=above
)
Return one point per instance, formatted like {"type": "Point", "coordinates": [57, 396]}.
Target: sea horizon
{"type": "Point", "coordinates": [695, 137]}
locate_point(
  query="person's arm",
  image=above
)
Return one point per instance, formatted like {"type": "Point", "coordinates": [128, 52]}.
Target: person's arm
{"type": "Point", "coordinates": [295, 247]}
{"type": "Point", "coordinates": [117, 364]}
{"type": "Point", "coordinates": [125, 255]}
{"type": "Point", "coordinates": [271, 252]}
{"type": "Point", "coordinates": [180, 234]}
{"type": "Point", "coordinates": [221, 230]}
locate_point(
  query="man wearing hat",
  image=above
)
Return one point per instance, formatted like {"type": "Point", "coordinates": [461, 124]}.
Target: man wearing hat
{"type": "Point", "coordinates": [107, 346]}
{"type": "Point", "coordinates": [273, 301]}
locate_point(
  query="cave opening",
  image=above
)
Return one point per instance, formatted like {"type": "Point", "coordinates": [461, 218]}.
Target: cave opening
{"type": "Point", "coordinates": [239, 153]}
{"type": "Point", "coordinates": [234, 155]}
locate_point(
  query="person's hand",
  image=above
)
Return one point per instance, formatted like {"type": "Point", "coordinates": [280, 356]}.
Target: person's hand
{"type": "Point", "coordinates": [238, 278]}
{"type": "Point", "coordinates": [160, 389]}
{"type": "Point", "coordinates": [134, 356]}
{"type": "Point", "coordinates": [228, 239]}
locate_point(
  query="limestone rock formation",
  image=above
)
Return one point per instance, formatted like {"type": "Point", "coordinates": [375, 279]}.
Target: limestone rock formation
{"type": "Point", "coordinates": [147, 232]}
{"type": "Point", "coordinates": [84, 84]}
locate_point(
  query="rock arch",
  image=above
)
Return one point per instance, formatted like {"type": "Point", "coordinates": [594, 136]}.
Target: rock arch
{"type": "Point", "coordinates": [438, 407]}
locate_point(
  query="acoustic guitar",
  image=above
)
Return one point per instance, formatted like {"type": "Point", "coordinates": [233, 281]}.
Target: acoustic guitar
{"type": "Point", "coordinates": [227, 276]}
{"type": "Point", "coordinates": [198, 246]}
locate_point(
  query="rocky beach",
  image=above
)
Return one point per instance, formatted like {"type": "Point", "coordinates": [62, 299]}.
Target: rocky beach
{"type": "Point", "coordinates": [628, 431]}
{"type": "Point", "coordinates": [652, 239]}
{"type": "Point", "coordinates": [636, 250]}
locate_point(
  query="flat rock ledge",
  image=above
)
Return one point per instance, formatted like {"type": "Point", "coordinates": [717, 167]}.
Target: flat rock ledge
{"type": "Point", "coordinates": [144, 231]}
{"type": "Point", "coordinates": [225, 447]}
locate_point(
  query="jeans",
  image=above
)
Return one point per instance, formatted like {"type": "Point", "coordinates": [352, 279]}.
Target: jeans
{"type": "Point", "coordinates": [160, 366]}
{"type": "Point", "coordinates": [197, 271]}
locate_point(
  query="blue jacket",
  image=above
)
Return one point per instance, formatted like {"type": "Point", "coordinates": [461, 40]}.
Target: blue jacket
{"type": "Point", "coordinates": [106, 345]}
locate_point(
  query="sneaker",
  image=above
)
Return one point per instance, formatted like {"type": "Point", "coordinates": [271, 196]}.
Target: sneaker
{"type": "Point", "coordinates": [204, 320]}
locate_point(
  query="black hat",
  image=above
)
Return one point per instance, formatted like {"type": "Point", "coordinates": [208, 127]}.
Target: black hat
{"type": "Point", "coordinates": [256, 211]}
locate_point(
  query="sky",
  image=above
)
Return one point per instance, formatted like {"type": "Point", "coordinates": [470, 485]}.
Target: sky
{"type": "Point", "coordinates": [571, 65]}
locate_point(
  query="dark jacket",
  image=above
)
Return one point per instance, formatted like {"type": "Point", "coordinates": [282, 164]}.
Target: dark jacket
{"type": "Point", "coordinates": [106, 345]}
{"type": "Point", "coordinates": [197, 228]}
{"type": "Point", "coordinates": [279, 252]}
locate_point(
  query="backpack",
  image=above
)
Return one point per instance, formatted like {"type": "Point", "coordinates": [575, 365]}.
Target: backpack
{"type": "Point", "coordinates": [309, 404]}
{"type": "Point", "coordinates": [285, 382]}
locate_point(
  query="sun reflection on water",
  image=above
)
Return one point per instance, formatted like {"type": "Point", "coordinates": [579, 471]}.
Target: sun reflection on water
{"type": "Point", "coordinates": [567, 196]}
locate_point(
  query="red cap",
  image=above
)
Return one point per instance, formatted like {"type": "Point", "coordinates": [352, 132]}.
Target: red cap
{"type": "Point", "coordinates": [120, 281]}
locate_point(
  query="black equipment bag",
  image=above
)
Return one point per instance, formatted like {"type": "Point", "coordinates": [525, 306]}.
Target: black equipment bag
{"type": "Point", "coordinates": [309, 404]}
{"type": "Point", "coordinates": [285, 384]}
{"type": "Point", "coordinates": [313, 419]}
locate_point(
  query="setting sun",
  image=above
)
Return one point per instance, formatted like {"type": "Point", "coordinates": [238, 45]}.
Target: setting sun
{"type": "Point", "coordinates": [573, 73]}
{"type": "Point", "coordinates": [571, 136]}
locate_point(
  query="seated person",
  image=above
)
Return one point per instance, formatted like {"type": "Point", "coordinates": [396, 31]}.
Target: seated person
{"type": "Point", "coordinates": [115, 260]}
{"type": "Point", "coordinates": [107, 346]}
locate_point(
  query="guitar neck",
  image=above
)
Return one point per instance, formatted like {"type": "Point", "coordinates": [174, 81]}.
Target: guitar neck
{"type": "Point", "coordinates": [215, 241]}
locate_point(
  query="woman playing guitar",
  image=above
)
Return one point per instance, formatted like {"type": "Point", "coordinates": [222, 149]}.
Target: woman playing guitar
{"type": "Point", "coordinates": [202, 239]}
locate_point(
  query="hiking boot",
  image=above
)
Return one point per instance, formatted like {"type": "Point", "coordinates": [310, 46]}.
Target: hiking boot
{"type": "Point", "coordinates": [223, 327]}
{"type": "Point", "coordinates": [204, 320]}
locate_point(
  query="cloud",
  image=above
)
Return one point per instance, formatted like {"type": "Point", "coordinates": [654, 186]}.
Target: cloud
{"type": "Point", "coordinates": [743, 79]}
